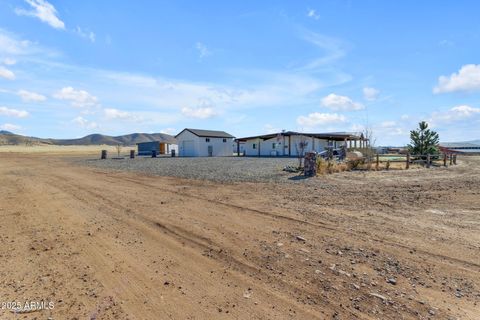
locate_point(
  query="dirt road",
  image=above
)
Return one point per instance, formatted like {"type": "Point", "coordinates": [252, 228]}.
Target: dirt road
{"type": "Point", "coordinates": [106, 245]}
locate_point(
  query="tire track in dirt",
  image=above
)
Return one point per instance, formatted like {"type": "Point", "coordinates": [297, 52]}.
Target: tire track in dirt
{"type": "Point", "coordinates": [443, 258]}
{"type": "Point", "coordinates": [195, 241]}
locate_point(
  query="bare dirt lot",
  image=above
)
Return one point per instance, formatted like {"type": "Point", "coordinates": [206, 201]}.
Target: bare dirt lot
{"type": "Point", "coordinates": [124, 245]}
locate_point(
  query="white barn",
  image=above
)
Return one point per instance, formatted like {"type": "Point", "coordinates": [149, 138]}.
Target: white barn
{"type": "Point", "coordinates": [287, 143]}
{"type": "Point", "coordinates": [204, 143]}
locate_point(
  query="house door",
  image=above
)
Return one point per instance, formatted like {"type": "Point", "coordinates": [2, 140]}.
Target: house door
{"type": "Point", "coordinates": [210, 151]}
{"type": "Point", "coordinates": [187, 147]}
{"type": "Point", "coordinates": [162, 148]}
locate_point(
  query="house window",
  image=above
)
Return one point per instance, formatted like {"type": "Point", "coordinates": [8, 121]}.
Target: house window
{"type": "Point", "coordinates": [274, 145]}
{"type": "Point", "coordinates": [254, 146]}
{"type": "Point", "coordinates": [224, 140]}
{"type": "Point", "coordinates": [207, 139]}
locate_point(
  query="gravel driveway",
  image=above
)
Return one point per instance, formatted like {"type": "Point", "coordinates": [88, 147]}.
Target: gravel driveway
{"type": "Point", "coordinates": [224, 169]}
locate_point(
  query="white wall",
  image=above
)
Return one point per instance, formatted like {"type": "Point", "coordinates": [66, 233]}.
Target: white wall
{"type": "Point", "coordinates": [199, 146]}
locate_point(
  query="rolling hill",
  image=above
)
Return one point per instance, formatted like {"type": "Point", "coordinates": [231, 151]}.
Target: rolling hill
{"type": "Point", "coordinates": [93, 139]}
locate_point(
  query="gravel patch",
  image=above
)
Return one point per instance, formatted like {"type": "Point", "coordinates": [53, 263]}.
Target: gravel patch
{"type": "Point", "coordinates": [223, 169]}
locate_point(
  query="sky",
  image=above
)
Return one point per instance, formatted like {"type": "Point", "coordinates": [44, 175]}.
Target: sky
{"type": "Point", "coordinates": [72, 68]}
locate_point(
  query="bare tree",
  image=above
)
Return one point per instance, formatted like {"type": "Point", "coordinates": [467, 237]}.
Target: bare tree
{"type": "Point", "coordinates": [118, 147]}
{"type": "Point", "coordinates": [300, 147]}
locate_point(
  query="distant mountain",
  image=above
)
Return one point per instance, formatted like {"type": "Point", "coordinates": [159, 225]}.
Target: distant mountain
{"type": "Point", "coordinates": [93, 139]}
{"type": "Point", "coordinates": [5, 132]}
{"type": "Point", "coordinates": [475, 141]}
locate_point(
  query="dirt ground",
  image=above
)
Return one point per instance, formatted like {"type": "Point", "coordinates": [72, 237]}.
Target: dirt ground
{"type": "Point", "coordinates": [123, 245]}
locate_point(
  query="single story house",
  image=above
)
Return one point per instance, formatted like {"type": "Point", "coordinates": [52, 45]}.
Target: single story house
{"type": "Point", "coordinates": [204, 143]}
{"type": "Point", "coordinates": [288, 143]}
{"type": "Point", "coordinates": [163, 146]}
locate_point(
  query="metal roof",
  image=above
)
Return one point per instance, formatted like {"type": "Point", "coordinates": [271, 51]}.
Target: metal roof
{"type": "Point", "coordinates": [459, 145]}
{"type": "Point", "coordinates": [339, 136]}
{"type": "Point", "coordinates": [207, 133]}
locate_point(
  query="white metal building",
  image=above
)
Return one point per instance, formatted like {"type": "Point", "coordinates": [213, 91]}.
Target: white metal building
{"type": "Point", "coordinates": [288, 143]}
{"type": "Point", "coordinates": [204, 143]}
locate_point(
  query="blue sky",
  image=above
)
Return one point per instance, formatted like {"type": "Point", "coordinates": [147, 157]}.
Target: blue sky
{"type": "Point", "coordinates": [70, 68]}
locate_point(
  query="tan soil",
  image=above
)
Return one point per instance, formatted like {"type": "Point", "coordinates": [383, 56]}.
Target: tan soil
{"type": "Point", "coordinates": [130, 246]}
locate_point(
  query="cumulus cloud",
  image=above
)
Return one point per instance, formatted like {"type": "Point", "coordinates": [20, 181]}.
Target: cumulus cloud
{"type": "Point", "coordinates": [44, 11]}
{"type": "Point", "coordinates": [199, 113]}
{"type": "Point", "coordinates": [84, 123]}
{"type": "Point", "coordinates": [7, 74]}
{"type": "Point", "coordinates": [388, 124]}
{"type": "Point", "coordinates": [85, 34]}
{"type": "Point", "coordinates": [77, 98]}
{"type": "Point", "coordinates": [340, 103]}
{"type": "Point", "coordinates": [312, 13]}
{"type": "Point", "coordinates": [202, 50]}
{"type": "Point", "coordinates": [111, 113]}
{"type": "Point", "coordinates": [462, 112]}
{"type": "Point", "coordinates": [316, 118]}
{"type": "Point", "coordinates": [29, 96]}
{"type": "Point", "coordinates": [170, 131]}
{"type": "Point", "coordinates": [4, 111]}
{"type": "Point", "coordinates": [370, 94]}
{"type": "Point", "coordinates": [268, 128]}
{"type": "Point", "coordinates": [9, 61]}
{"type": "Point", "coordinates": [10, 127]}
{"type": "Point", "coordinates": [466, 79]}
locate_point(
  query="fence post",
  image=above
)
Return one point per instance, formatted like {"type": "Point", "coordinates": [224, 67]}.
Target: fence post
{"type": "Point", "coordinates": [428, 161]}
{"type": "Point", "coordinates": [444, 159]}
{"type": "Point", "coordinates": [104, 154]}
{"type": "Point", "coordinates": [407, 164]}
{"type": "Point", "coordinates": [451, 158]}
{"type": "Point", "coordinates": [378, 163]}
{"type": "Point", "coordinates": [132, 154]}
{"type": "Point", "coordinates": [455, 159]}
{"type": "Point", "coordinates": [387, 166]}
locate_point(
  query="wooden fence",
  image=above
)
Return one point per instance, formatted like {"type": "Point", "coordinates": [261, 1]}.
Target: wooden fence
{"type": "Point", "coordinates": [426, 160]}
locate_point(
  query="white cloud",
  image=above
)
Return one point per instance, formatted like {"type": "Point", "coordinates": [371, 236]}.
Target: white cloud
{"type": "Point", "coordinates": [44, 11]}
{"type": "Point", "coordinates": [312, 13]}
{"type": "Point", "coordinates": [85, 34]}
{"type": "Point", "coordinates": [199, 113]}
{"type": "Point", "coordinates": [170, 131]}
{"type": "Point", "coordinates": [84, 123]}
{"type": "Point", "coordinates": [7, 74]}
{"type": "Point", "coordinates": [78, 98]}
{"type": "Point", "coordinates": [314, 119]}
{"type": "Point", "coordinates": [340, 103]}
{"type": "Point", "coordinates": [466, 79]}
{"type": "Point", "coordinates": [370, 94]}
{"type": "Point", "coordinates": [10, 127]}
{"type": "Point", "coordinates": [268, 128]}
{"type": "Point", "coordinates": [9, 61]}
{"type": "Point", "coordinates": [4, 111]}
{"type": "Point", "coordinates": [462, 112]}
{"type": "Point", "coordinates": [111, 113]}
{"type": "Point", "coordinates": [202, 50]}
{"type": "Point", "coordinates": [388, 124]}
{"type": "Point", "coordinates": [332, 48]}
{"type": "Point", "coordinates": [28, 96]}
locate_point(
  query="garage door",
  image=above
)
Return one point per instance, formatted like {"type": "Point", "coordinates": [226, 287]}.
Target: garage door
{"type": "Point", "coordinates": [188, 150]}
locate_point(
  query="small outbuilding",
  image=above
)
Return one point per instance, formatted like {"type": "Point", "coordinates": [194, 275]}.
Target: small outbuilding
{"type": "Point", "coordinates": [160, 147]}
{"type": "Point", "coordinates": [204, 143]}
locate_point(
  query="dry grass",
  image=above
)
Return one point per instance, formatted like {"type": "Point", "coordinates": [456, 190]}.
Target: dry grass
{"type": "Point", "coordinates": [328, 167]}
{"type": "Point", "coordinates": [51, 149]}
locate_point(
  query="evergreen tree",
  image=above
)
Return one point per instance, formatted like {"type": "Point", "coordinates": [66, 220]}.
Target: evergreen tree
{"type": "Point", "coordinates": [423, 140]}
